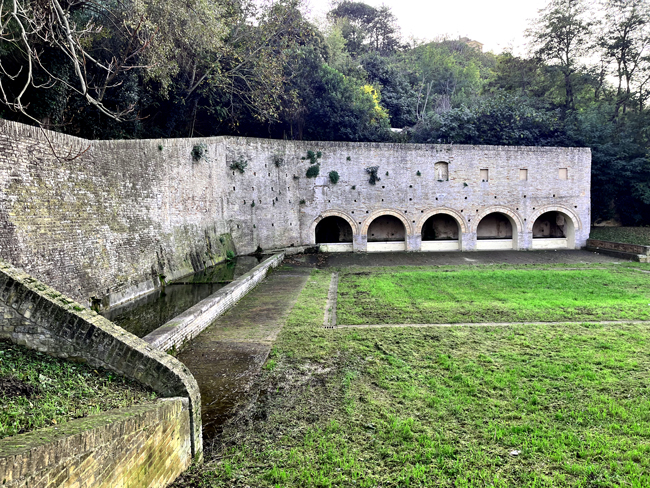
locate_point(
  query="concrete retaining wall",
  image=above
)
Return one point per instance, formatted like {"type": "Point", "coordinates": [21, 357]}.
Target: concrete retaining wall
{"type": "Point", "coordinates": [142, 446]}
{"type": "Point", "coordinates": [193, 321]}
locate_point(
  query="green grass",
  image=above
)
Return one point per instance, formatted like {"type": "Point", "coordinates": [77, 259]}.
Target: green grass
{"type": "Point", "coordinates": [60, 390]}
{"type": "Point", "coordinates": [486, 294]}
{"type": "Point", "coordinates": [406, 407]}
{"type": "Point", "coordinates": [630, 235]}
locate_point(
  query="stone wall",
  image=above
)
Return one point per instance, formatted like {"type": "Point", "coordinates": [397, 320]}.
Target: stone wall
{"type": "Point", "coordinates": [131, 447]}
{"type": "Point", "coordinates": [194, 320]}
{"type": "Point", "coordinates": [409, 189]}
{"type": "Point", "coordinates": [37, 316]}
{"type": "Point", "coordinates": [109, 222]}
{"type": "Point", "coordinates": [105, 219]}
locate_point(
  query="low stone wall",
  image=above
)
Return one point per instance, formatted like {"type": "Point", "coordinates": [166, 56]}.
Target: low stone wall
{"type": "Point", "coordinates": [39, 317]}
{"type": "Point", "coordinates": [619, 246]}
{"type": "Point", "coordinates": [193, 321]}
{"type": "Point", "coordinates": [143, 446]}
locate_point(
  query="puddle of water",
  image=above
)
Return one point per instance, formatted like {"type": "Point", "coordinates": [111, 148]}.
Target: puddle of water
{"type": "Point", "coordinates": [145, 314]}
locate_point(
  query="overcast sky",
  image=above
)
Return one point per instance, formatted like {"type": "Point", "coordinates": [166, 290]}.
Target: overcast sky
{"type": "Point", "coordinates": [498, 24]}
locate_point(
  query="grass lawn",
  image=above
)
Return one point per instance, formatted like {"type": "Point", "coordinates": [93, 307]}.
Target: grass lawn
{"type": "Point", "coordinates": [630, 235]}
{"type": "Point", "coordinates": [512, 406]}
{"type": "Point", "coordinates": [37, 390]}
{"type": "Point", "coordinates": [492, 294]}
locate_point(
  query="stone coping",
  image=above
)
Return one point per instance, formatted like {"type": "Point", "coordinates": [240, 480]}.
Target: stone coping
{"type": "Point", "coordinates": [182, 328]}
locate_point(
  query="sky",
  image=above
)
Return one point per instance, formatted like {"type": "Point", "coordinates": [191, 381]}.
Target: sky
{"type": "Point", "coordinates": [498, 24]}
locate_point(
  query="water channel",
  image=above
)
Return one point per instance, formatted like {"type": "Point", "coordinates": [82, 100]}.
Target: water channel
{"type": "Point", "coordinates": [148, 312]}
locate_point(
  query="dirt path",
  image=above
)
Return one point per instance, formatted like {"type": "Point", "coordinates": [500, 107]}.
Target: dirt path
{"type": "Point", "coordinates": [225, 357]}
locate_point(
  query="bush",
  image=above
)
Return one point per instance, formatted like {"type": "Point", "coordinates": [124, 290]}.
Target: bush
{"type": "Point", "coordinates": [239, 165]}
{"type": "Point", "coordinates": [313, 171]}
{"type": "Point", "coordinates": [372, 171]}
{"type": "Point", "coordinates": [334, 177]}
{"type": "Point", "coordinates": [198, 151]}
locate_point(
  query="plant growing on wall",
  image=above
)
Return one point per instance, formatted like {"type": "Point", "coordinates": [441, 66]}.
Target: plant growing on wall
{"type": "Point", "coordinates": [313, 157]}
{"type": "Point", "coordinates": [302, 201]}
{"type": "Point", "coordinates": [334, 177]}
{"type": "Point", "coordinates": [278, 161]}
{"type": "Point", "coordinates": [313, 170]}
{"type": "Point", "coordinates": [418, 173]}
{"type": "Point", "coordinates": [199, 152]}
{"type": "Point", "coordinates": [239, 165]}
{"type": "Point", "coordinates": [374, 177]}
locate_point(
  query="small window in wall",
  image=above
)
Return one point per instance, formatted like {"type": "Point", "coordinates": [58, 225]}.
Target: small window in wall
{"type": "Point", "coordinates": [564, 174]}
{"type": "Point", "coordinates": [484, 175]}
{"type": "Point", "coordinates": [523, 174]}
{"type": "Point", "coordinates": [442, 171]}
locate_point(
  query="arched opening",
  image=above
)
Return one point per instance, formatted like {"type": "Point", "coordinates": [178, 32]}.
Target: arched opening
{"type": "Point", "coordinates": [553, 230]}
{"type": "Point", "coordinates": [386, 233]}
{"type": "Point", "coordinates": [441, 232]}
{"type": "Point", "coordinates": [334, 234]}
{"type": "Point", "coordinates": [496, 231]}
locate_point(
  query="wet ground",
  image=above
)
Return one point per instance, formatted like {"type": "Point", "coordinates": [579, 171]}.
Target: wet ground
{"type": "Point", "coordinates": [226, 357]}
{"type": "Point", "coordinates": [448, 258]}
{"type": "Point", "coordinates": [148, 312]}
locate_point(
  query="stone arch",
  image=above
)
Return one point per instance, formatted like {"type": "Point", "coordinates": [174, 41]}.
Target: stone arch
{"type": "Point", "coordinates": [332, 213]}
{"type": "Point", "coordinates": [554, 208]}
{"type": "Point", "coordinates": [462, 223]}
{"type": "Point", "coordinates": [379, 213]}
{"type": "Point", "coordinates": [514, 217]}
{"type": "Point", "coordinates": [574, 224]}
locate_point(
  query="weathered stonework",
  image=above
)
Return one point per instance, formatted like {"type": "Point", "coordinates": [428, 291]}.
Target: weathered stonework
{"type": "Point", "coordinates": [37, 316]}
{"type": "Point", "coordinates": [193, 321]}
{"type": "Point", "coordinates": [147, 445]}
{"type": "Point", "coordinates": [108, 223]}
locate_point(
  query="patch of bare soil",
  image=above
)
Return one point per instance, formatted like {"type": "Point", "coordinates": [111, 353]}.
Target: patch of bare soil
{"type": "Point", "coordinates": [11, 387]}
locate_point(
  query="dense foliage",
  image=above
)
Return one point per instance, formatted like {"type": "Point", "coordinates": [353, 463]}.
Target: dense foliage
{"type": "Point", "coordinates": [177, 69]}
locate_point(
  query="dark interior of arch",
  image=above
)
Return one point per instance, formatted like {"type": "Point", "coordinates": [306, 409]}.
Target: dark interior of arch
{"type": "Point", "coordinates": [386, 228]}
{"type": "Point", "coordinates": [440, 227]}
{"type": "Point", "coordinates": [550, 224]}
{"type": "Point", "coordinates": [494, 226]}
{"type": "Point", "coordinates": [332, 230]}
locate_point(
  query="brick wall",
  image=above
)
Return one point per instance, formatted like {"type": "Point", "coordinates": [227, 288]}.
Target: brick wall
{"type": "Point", "coordinates": [193, 321]}
{"type": "Point", "coordinates": [109, 222]}
{"type": "Point", "coordinates": [37, 316]}
{"type": "Point", "coordinates": [142, 446]}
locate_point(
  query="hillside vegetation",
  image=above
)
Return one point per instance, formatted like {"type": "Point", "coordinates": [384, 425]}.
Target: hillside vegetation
{"type": "Point", "coordinates": [201, 68]}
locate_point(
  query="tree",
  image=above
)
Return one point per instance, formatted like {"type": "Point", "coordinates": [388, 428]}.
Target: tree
{"type": "Point", "coordinates": [87, 47]}
{"type": "Point", "coordinates": [366, 28]}
{"type": "Point", "coordinates": [562, 35]}
{"type": "Point", "coordinates": [625, 41]}
{"type": "Point", "coordinates": [497, 120]}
